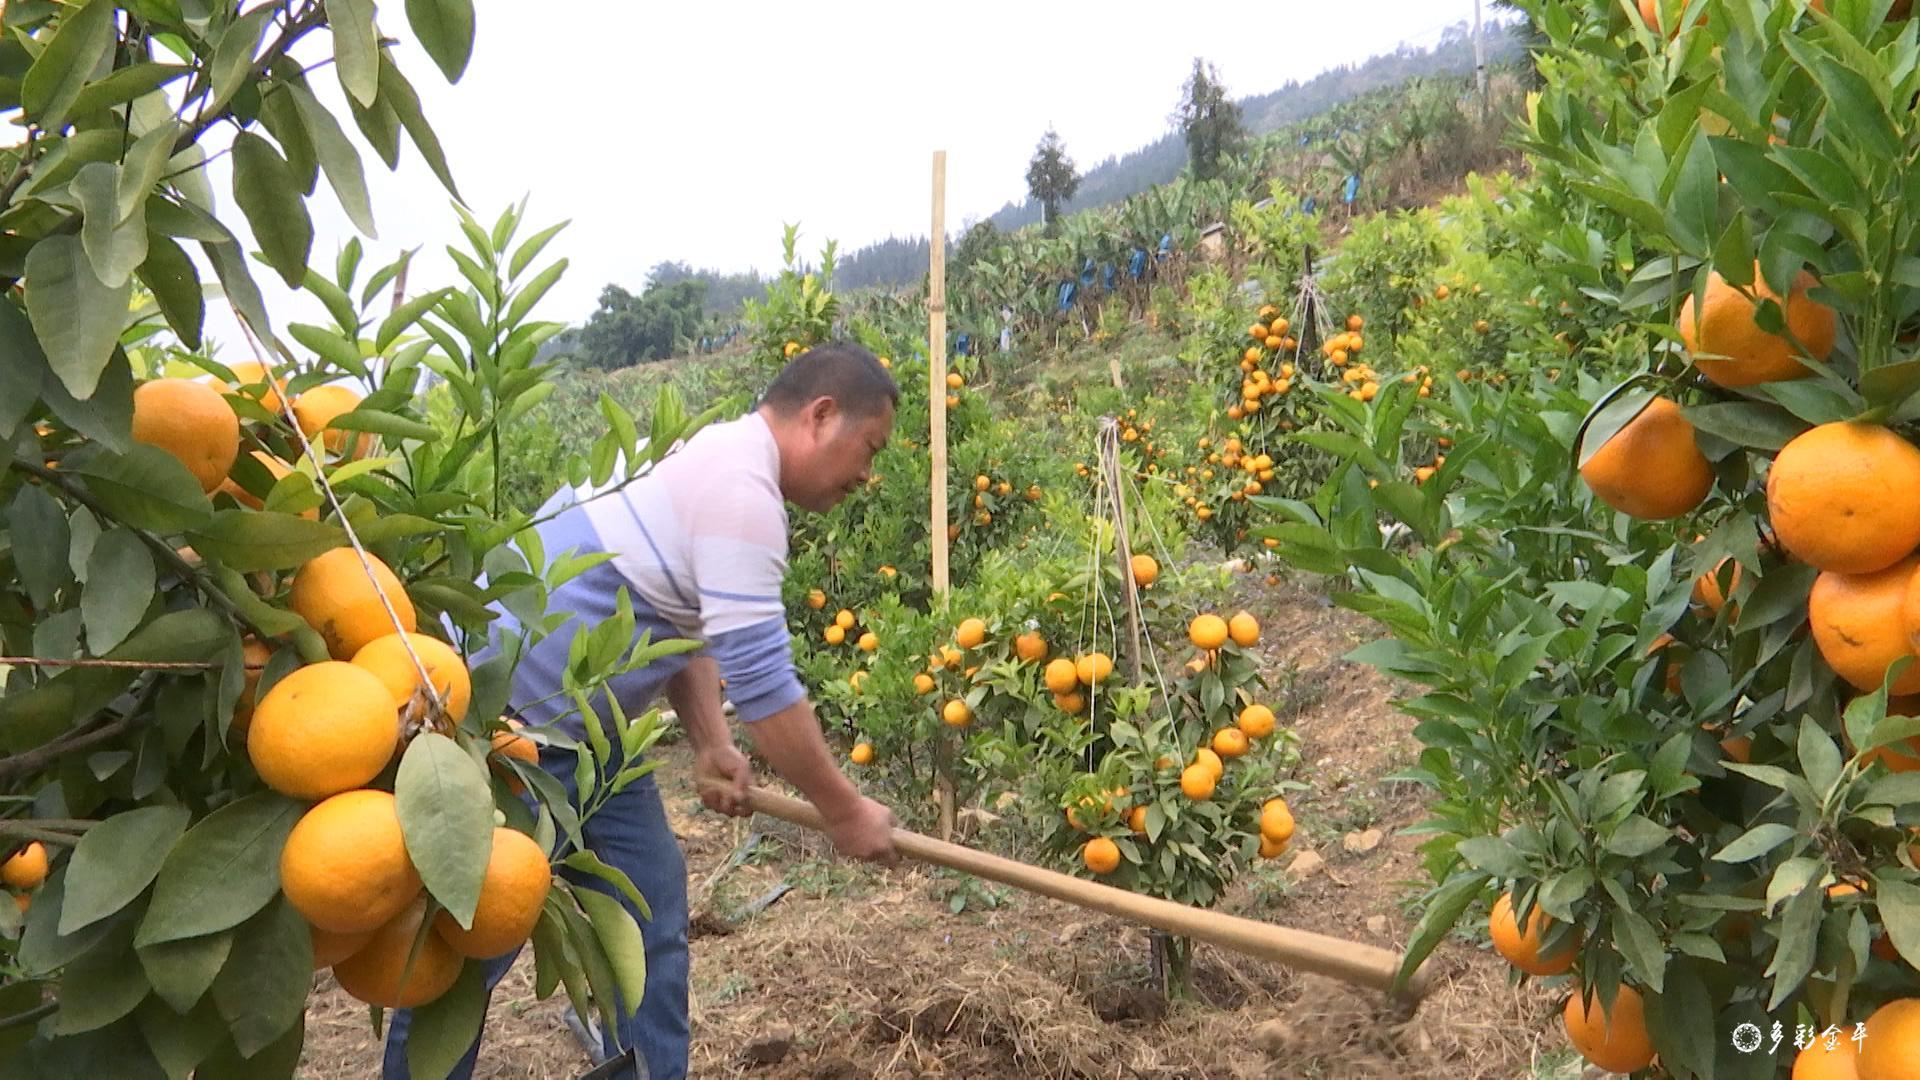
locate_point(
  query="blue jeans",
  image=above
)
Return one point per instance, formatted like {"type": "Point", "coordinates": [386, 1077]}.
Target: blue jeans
{"type": "Point", "coordinates": [630, 833]}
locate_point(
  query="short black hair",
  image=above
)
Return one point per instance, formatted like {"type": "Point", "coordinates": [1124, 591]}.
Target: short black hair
{"type": "Point", "coordinates": [840, 370]}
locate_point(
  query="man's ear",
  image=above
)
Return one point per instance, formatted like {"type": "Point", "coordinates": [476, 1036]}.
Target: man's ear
{"type": "Point", "coordinates": [822, 410]}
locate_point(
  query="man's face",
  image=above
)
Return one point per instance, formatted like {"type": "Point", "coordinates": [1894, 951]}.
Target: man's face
{"type": "Point", "coordinates": [837, 453]}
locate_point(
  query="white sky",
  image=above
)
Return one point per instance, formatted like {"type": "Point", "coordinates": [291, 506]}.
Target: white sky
{"type": "Point", "coordinates": [694, 131]}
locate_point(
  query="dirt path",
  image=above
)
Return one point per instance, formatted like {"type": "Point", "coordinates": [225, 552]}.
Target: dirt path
{"type": "Point", "coordinates": [857, 974]}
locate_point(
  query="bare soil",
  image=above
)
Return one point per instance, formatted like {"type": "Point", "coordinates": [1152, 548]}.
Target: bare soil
{"type": "Point", "coordinates": [861, 973]}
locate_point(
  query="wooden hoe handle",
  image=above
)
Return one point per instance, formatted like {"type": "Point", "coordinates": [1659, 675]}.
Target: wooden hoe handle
{"type": "Point", "coordinates": [1348, 961]}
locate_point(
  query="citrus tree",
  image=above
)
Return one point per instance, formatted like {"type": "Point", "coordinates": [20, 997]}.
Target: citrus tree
{"type": "Point", "coordinates": [242, 737]}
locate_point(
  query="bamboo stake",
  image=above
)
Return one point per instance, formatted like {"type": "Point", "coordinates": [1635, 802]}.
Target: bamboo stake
{"type": "Point", "coordinates": [937, 443]}
{"type": "Point", "coordinates": [1348, 961]}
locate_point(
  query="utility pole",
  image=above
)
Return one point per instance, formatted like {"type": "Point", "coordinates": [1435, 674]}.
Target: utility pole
{"type": "Point", "coordinates": [1479, 62]}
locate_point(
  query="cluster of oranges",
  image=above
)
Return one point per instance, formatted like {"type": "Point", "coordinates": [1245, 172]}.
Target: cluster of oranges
{"type": "Point", "coordinates": [955, 383]}
{"type": "Point", "coordinates": [841, 629]}
{"type": "Point", "coordinates": [1231, 455]}
{"type": "Point", "coordinates": [1419, 377]}
{"type": "Point", "coordinates": [1209, 632]}
{"type": "Point", "coordinates": [1271, 339]}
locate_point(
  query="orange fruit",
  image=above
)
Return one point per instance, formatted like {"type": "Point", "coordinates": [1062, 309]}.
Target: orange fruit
{"type": "Point", "coordinates": [1244, 629]}
{"type": "Point", "coordinates": [1845, 496]}
{"type": "Point", "coordinates": [1137, 820]}
{"type": "Point", "coordinates": [1146, 570]}
{"type": "Point", "coordinates": [1030, 647]}
{"type": "Point", "coordinates": [1614, 1039]}
{"type": "Point", "coordinates": [1272, 849]}
{"type": "Point", "coordinates": [509, 744]}
{"type": "Point", "coordinates": [1062, 676]}
{"type": "Point", "coordinates": [330, 948]}
{"type": "Point", "coordinates": [511, 896]}
{"type": "Point", "coordinates": [1070, 702]}
{"type": "Point", "coordinates": [923, 683]}
{"type": "Point", "coordinates": [1276, 821]}
{"type": "Point", "coordinates": [280, 470]}
{"type": "Point", "coordinates": [1891, 1050]}
{"type": "Point", "coordinates": [1728, 345]}
{"type": "Point", "coordinates": [1207, 632]}
{"type": "Point", "coordinates": [1706, 588]}
{"type": "Point", "coordinates": [1230, 742]}
{"type": "Point", "coordinates": [1211, 759]}
{"type": "Point", "coordinates": [387, 658]}
{"type": "Point", "coordinates": [843, 619]}
{"type": "Point", "coordinates": [956, 713]}
{"type": "Point", "coordinates": [319, 407]}
{"type": "Point", "coordinates": [333, 593]}
{"type": "Point", "coordinates": [323, 729]}
{"type": "Point", "coordinates": [252, 374]}
{"type": "Point", "coordinates": [1651, 468]}
{"type": "Point", "coordinates": [1101, 855]}
{"type": "Point", "coordinates": [26, 868]}
{"type": "Point", "coordinates": [1520, 946]}
{"type": "Point", "coordinates": [816, 599]}
{"type": "Point", "coordinates": [345, 866]}
{"type": "Point", "coordinates": [862, 754]}
{"type": "Point", "coordinates": [379, 974]}
{"type": "Point", "coordinates": [1816, 1062]}
{"type": "Point", "coordinates": [1861, 624]}
{"type": "Point", "coordinates": [191, 421]}
{"type": "Point", "coordinates": [1093, 668]}
{"type": "Point", "coordinates": [1256, 721]}
{"type": "Point", "coordinates": [834, 635]}
{"type": "Point", "coordinates": [1355, 323]}
{"type": "Point", "coordinates": [869, 642]}
{"type": "Point", "coordinates": [970, 633]}
{"type": "Point", "coordinates": [955, 381]}
{"type": "Point", "coordinates": [1197, 782]}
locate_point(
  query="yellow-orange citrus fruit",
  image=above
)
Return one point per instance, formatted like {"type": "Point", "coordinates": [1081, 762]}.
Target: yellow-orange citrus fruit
{"type": "Point", "coordinates": [1070, 702]}
{"type": "Point", "coordinates": [956, 713]}
{"type": "Point", "coordinates": [1276, 820]}
{"type": "Point", "coordinates": [1256, 721]}
{"type": "Point", "coordinates": [843, 619]}
{"type": "Point", "coordinates": [1101, 855]}
{"type": "Point", "coordinates": [387, 658]}
{"type": "Point", "coordinates": [191, 421]}
{"type": "Point", "coordinates": [1860, 626]}
{"type": "Point", "coordinates": [834, 634]}
{"type": "Point", "coordinates": [378, 973]}
{"type": "Point", "coordinates": [332, 592]}
{"type": "Point", "coordinates": [1272, 849]}
{"type": "Point", "coordinates": [1244, 629]}
{"type": "Point", "coordinates": [1197, 782]}
{"type": "Point", "coordinates": [1706, 588]}
{"type": "Point", "coordinates": [1651, 468]}
{"type": "Point", "coordinates": [1093, 668]}
{"type": "Point", "coordinates": [319, 407]}
{"type": "Point", "coordinates": [1728, 345]}
{"type": "Point", "coordinates": [26, 868]}
{"type": "Point", "coordinates": [1891, 1050]}
{"type": "Point", "coordinates": [1030, 647]}
{"type": "Point", "coordinates": [816, 599]}
{"type": "Point", "coordinates": [955, 380]}
{"type": "Point", "coordinates": [508, 744]}
{"type": "Point", "coordinates": [345, 866]}
{"type": "Point", "coordinates": [1062, 676]}
{"type": "Point", "coordinates": [869, 642]}
{"type": "Point", "coordinates": [1229, 742]}
{"type": "Point", "coordinates": [1615, 1038]}
{"type": "Point", "coordinates": [511, 896]}
{"type": "Point", "coordinates": [253, 375]}
{"type": "Point", "coordinates": [323, 729]}
{"type": "Point", "coordinates": [1207, 757]}
{"type": "Point", "coordinates": [862, 754]}
{"type": "Point", "coordinates": [1845, 496]}
{"type": "Point", "coordinates": [1137, 820]}
{"type": "Point", "coordinates": [970, 633]}
{"type": "Point", "coordinates": [923, 683]}
{"type": "Point", "coordinates": [1816, 1062]}
{"type": "Point", "coordinates": [330, 948]}
{"type": "Point", "coordinates": [1146, 570]}
{"type": "Point", "coordinates": [1207, 632]}
{"type": "Point", "coordinates": [1522, 947]}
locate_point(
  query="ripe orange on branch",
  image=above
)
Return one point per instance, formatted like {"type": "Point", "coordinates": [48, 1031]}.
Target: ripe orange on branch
{"type": "Point", "coordinates": [1845, 496]}
{"type": "Point", "coordinates": [1207, 632]}
{"type": "Point", "coordinates": [333, 593]}
{"type": "Point", "coordinates": [1729, 347]}
{"type": "Point", "coordinates": [1891, 1049]}
{"type": "Point", "coordinates": [1860, 624]}
{"type": "Point", "coordinates": [345, 866]}
{"type": "Point", "coordinates": [1101, 855]}
{"type": "Point", "coordinates": [1521, 946]}
{"type": "Point", "coordinates": [318, 408]}
{"type": "Point", "coordinates": [1651, 468]}
{"type": "Point", "coordinates": [511, 895]}
{"type": "Point", "coordinates": [1146, 570]}
{"type": "Point", "coordinates": [1614, 1039]}
{"type": "Point", "coordinates": [389, 661]}
{"type": "Point", "coordinates": [26, 868]}
{"type": "Point", "coordinates": [322, 730]}
{"type": "Point", "coordinates": [379, 974]}
{"type": "Point", "coordinates": [1093, 668]}
{"type": "Point", "coordinates": [191, 421]}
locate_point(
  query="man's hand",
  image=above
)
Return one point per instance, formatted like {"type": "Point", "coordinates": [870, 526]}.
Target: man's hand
{"type": "Point", "coordinates": [722, 774]}
{"type": "Point", "coordinates": [864, 830]}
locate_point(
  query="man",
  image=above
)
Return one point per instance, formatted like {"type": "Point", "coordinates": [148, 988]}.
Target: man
{"type": "Point", "coordinates": [700, 546]}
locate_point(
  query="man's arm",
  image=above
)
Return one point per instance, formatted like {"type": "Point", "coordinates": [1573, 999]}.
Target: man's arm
{"type": "Point", "coordinates": [791, 742]}
{"type": "Point", "coordinates": [720, 771]}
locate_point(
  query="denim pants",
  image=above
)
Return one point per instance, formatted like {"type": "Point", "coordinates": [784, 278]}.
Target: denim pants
{"type": "Point", "coordinates": [630, 833]}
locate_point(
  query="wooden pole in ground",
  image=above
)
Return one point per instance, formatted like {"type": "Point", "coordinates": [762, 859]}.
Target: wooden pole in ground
{"type": "Point", "coordinates": [1348, 961]}
{"type": "Point", "coordinates": [937, 445]}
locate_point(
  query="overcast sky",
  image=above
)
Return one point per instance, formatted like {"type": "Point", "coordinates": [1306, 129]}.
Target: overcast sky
{"type": "Point", "coordinates": [694, 131]}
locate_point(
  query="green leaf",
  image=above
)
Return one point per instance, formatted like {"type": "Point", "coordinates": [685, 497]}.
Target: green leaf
{"type": "Point", "coordinates": [101, 986]}
{"type": "Point", "coordinates": [249, 540]}
{"type": "Point", "coordinates": [1637, 836]}
{"type": "Point", "coordinates": [116, 860]}
{"type": "Point", "coordinates": [385, 423]}
{"type": "Point", "coordinates": [445, 1027]}
{"type": "Point", "coordinates": [179, 1042]}
{"type": "Point", "coordinates": [1781, 594]}
{"type": "Point", "coordinates": [404, 316]}
{"type": "Point", "coordinates": [1753, 424]}
{"type": "Point", "coordinates": [114, 248]}
{"type": "Point", "coordinates": [126, 84]}
{"type": "Point", "coordinates": [1755, 842]}
{"type": "Point", "coordinates": [175, 284]}
{"type": "Point", "coordinates": [445, 30]}
{"type": "Point", "coordinates": [76, 316]}
{"type": "Point", "coordinates": [1693, 215]}
{"type": "Point", "coordinates": [329, 346]}
{"type": "Point", "coordinates": [356, 48]}
{"type": "Point", "coordinates": [43, 950]}
{"type": "Point", "coordinates": [238, 284]}
{"type": "Point", "coordinates": [1798, 935]}
{"type": "Point", "coordinates": [398, 94]}
{"type": "Point", "coordinates": [83, 42]}
{"type": "Point", "coordinates": [1640, 946]}
{"type": "Point", "coordinates": [222, 872]}
{"type": "Point", "coordinates": [38, 532]}
{"type": "Point", "coordinates": [119, 590]}
{"type": "Point", "coordinates": [1820, 760]}
{"type": "Point", "coordinates": [530, 295]}
{"type": "Point", "coordinates": [446, 815]}
{"type": "Point", "coordinates": [1494, 855]}
{"type": "Point", "coordinates": [268, 193]}
{"type": "Point", "coordinates": [1449, 902]}
{"type": "Point", "coordinates": [620, 936]}
{"type": "Point", "coordinates": [1899, 906]}
{"type": "Point", "coordinates": [338, 158]}
{"type": "Point", "coordinates": [588, 863]}
{"type": "Point", "coordinates": [530, 249]}
{"type": "Point", "coordinates": [146, 487]}
{"type": "Point", "coordinates": [265, 996]}
{"type": "Point", "coordinates": [1615, 410]}
{"type": "Point", "coordinates": [182, 971]}
{"type": "Point", "coordinates": [232, 63]}
{"type": "Point", "coordinates": [1686, 1046]}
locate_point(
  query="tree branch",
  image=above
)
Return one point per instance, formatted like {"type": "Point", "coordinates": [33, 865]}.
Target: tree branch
{"type": "Point", "coordinates": [75, 741]}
